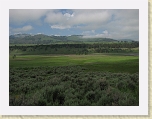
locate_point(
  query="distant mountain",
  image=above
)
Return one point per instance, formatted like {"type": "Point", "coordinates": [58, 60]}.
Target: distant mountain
{"type": "Point", "coordinates": [19, 35]}
{"type": "Point", "coordinates": [45, 39]}
{"type": "Point", "coordinates": [128, 40]}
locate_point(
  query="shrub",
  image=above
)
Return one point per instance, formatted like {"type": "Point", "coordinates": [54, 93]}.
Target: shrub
{"type": "Point", "coordinates": [41, 102]}
{"type": "Point", "coordinates": [72, 102]}
{"type": "Point", "coordinates": [128, 100]}
{"type": "Point", "coordinates": [11, 100]}
{"type": "Point", "coordinates": [103, 83]}
{"type": "Point", "coordinates": [39, 78]}
{"type": "Point", "coordinates": [131, 85]}
{"type": "Point", "coordinates": [104, 101]}
{"type": "Point", "coordinates": [114, 95]}
{"type": "Point", "coordinates": [121, 85]}
{"type": "Point", "coordinates": [71, 85]}
{"type": "Point", "coordinates": [33, 76]}
{"type": "Point", "coordinates": [84, 102]}
{"type": "Point", "coordinates": [90, 96]}
{"type": "Point", "coordinates": [47, 94]}
{"type": "Point", "coordinates": [61, 98]}
{"type": "Point", "coordinates": [49, 72]}
{"type": "Point", "coordinates": [135, 77]}
{"type": "Point", "coordinates": [18, 100]}
{"type": "Point", "coordinates": [53, 81]}
{"type": "Point", "coordinates": [65, 78]}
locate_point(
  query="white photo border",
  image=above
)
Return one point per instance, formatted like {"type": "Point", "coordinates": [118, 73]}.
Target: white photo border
{"type": "Point", "coordinates": [142, 109]}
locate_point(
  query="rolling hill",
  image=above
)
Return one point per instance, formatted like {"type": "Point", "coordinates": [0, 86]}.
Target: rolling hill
{"type": "Point", "coordinates": [45, 39]}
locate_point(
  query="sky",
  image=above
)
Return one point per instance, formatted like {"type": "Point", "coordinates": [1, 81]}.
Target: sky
{"type": "Point", "coordinates": [91, 23]}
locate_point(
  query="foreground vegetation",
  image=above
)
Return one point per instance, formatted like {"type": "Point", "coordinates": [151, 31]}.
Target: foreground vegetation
{"type": "Point", "coordinates": [72, 85]}
{"type": "Point", "coordinates": [98, 74]}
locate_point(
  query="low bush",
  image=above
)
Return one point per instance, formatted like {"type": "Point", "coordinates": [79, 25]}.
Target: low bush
{"type": "Point", "coordinates": [71, 86]}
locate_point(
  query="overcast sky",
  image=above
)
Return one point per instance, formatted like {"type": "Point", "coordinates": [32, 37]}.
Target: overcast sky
{"type": "Point", "coordinates": [116, 24]}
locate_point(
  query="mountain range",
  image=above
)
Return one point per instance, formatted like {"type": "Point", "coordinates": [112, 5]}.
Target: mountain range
{"type": "Point", "coordinates": [45, 39]}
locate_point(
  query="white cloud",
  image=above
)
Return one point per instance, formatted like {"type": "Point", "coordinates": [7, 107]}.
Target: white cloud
{"type": "Point", "coordinates": [123, 24]}
{"type": "Point", "coordinates": [119, 23]}
{"type": "Point", "coordinates": [54, 18]}
{"type": "Point", "coordinates": [68, 15]}
{"type": "Point", "coordinates": [39, 33]}
{"type": "Point", "coordinates": [93, 34]}
{"type": "Point", "coordinates": [89, 18]}
{"type": "Point", "coordinates": [56, 35]}
{"type": "Point", "coordinates": [23, 29]}
{"type": "Point", "coordinates": [60, 27]}
{"type": "Point", "coordinates": [105, 32]}
{"type": "Point", "coordinates": [20, 16]}
{"type": "Point", "coordinates": [87, 33]}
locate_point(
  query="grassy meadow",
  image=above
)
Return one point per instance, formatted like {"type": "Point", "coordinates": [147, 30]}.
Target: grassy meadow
{"type": "Point", "coordinates": [66, 75]}
{"type": "Point", "coordinates": [94, 62]}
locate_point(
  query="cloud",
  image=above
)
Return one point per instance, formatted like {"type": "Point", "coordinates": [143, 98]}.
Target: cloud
{"type": "Point", "coordinates": [53, 18]}
{"type": "Point", "coordinates": [87, 33]}
{"type": "Point", "coordinates": [68, 15]}
{"type": "Point", "coordinates": [93, 18]}
{"type": "Point", "coordinates": [123, 24]}
{"type": "Point", "coordinates": [115, 23]}
{"type": "Point", "coordinates": [57, 17]}
{"type": "Point", "coordinates": [105, 32]}
{"type": "Point", "coordinates": [23, 29]}
{"type": "Point", "coordinates": [93, 34]}
{"type": "Point", "coordinates": [39, 33]}
{"type": "Point", "coordinates": [60, 27]}
{"type": "Point", "coordinates": [20, 16]}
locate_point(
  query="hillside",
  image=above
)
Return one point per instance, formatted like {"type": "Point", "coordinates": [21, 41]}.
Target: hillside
{"type": "Point", "coordinates": [45, 39]}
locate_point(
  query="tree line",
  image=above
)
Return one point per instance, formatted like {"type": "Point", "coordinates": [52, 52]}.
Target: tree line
{"type": "Point", "coordinates": [125, 47]}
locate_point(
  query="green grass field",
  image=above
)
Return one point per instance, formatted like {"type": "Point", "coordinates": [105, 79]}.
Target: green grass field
{"type": "Point", "coordinates": [93, 62]}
